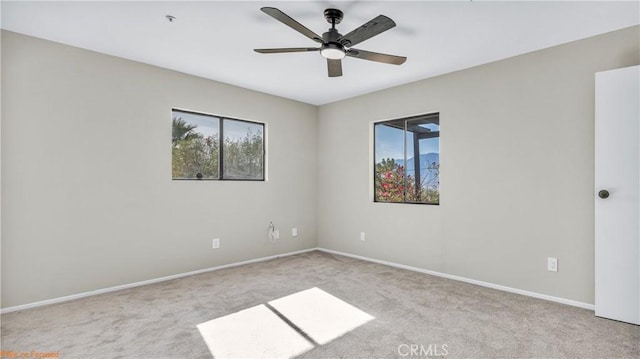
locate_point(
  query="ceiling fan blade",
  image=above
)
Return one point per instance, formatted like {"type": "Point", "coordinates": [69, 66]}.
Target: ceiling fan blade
{"type": "Point", "coordinates": [287, 20]}
{"type": "Point", "coordinates": [372, 28]}
{"type": "Point", "coordinates": [376, 56]}
{"type": "Point", "coordinates": [335, 67]}
{"type": "Point", "coordinates": [286, 49]}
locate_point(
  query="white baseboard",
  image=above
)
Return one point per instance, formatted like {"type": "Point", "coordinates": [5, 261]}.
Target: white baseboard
{"type": "Point", "coordinates": [262, 259]}
{"type": "Point", "coordinates": [467, 280]}
{"type": "Point", "coordinates": [144, 282]}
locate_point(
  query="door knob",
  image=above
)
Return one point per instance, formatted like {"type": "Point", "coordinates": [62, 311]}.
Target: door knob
{"type": "Point", "coordinates": [604, 194]}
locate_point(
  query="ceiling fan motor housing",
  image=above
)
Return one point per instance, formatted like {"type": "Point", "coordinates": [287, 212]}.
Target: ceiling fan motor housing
{"type": "Point", "coordinates": [332, 51]}
{"type": "Point", "coordinates": [331, 48]}
{"type": "Point", "coordinates": [331, 36]}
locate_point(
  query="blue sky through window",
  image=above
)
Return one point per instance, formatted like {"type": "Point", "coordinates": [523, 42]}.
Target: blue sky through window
{"type": "Point", "coordinates": [390, 144]}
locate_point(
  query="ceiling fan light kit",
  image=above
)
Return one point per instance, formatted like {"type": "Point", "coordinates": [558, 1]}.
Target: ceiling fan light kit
{"type": "Point", "coordinates": [332, 51]}
{"type": "Point", "coordinates": [333, 45]}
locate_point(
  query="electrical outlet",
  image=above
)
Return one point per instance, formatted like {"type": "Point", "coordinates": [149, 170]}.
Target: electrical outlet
{"type": "Point", "coordinates": [552, 264]}
{"type": "Point", "coordinates": [215, 243]}
{"type": "Point", "coordinates": [362, 236]}
{"type": "Point", "coordinates": [294, 232]}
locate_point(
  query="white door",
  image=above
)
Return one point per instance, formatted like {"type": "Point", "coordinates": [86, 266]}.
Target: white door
{"type": "Point", "coordinates": [617, 174]}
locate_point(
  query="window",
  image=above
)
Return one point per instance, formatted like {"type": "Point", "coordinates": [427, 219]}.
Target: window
{"type": "Point", "coordinates": [216, 148]}
{"type": "Point", "coordinates": [407, 160]}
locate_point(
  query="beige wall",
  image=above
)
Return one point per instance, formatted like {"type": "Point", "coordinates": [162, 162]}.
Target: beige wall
{"type": "Point", "coordinates": [517, 142]}
{"type": "Point", "coordinates": [87, 196]}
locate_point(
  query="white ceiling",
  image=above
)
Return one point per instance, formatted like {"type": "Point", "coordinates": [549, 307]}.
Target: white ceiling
{"type": "Point", "coordinates": [215, 39]}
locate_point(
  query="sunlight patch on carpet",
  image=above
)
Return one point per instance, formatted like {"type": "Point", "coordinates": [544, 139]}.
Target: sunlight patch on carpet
{"type": "Point", "coordinates": [256, 332]}
{"type": "Point", "coordinates": [320, 315]}
{"type": "Point", "coordinates": [284, 328]}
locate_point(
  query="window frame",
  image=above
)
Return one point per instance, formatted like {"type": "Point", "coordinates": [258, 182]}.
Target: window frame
{"type": "Point", "coordinates": [426, 115]}
{"type": "Point", "coordinates": [221, 148]}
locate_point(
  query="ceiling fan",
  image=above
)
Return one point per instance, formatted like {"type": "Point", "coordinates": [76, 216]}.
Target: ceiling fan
{"type": "Point", "coordinates": [333, 45]}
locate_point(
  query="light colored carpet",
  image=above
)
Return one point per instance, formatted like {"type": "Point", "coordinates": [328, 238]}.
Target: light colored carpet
{"type": "Point", "coordinates": [410, 310]}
